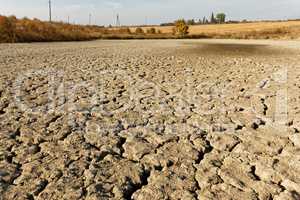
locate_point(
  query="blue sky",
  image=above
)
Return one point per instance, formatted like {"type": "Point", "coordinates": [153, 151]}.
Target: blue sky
{"type": "Point", "coordinates": [152, 11]}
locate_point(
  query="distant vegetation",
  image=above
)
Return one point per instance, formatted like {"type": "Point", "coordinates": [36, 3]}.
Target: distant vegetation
{"type": "Point", "coordinates": [34, 30]}
{"type": "Point", "coordinates": [220, 18]}
{"type": "Point", "coordinates": [26, 30]}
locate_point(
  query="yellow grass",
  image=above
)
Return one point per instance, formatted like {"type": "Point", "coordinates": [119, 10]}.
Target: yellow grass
{"type": "Point", "coordinates": [285, 29]}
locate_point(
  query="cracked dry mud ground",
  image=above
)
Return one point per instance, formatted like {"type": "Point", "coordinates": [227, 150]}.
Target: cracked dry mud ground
{"type": "Point", "coordinates": [150, 120]}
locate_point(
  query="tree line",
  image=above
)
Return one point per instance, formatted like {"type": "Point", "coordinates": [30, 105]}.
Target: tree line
{"type": "Point", "coordinates": [219, 18]}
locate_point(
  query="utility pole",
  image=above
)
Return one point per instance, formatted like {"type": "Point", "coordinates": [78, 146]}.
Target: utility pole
{"type": "Point", "coordinates": [50, 11]}
{"type": "Point", "coordinates": [118, 23]}
{"type": "Point", "coordinates": [68, 19]}
{"type": "Point", "coordinates": [90, 19]}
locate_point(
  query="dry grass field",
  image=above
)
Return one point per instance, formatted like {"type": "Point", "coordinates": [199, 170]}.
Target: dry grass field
{"type": "Point", "coordinates": [254, 30]}
{"type": "Point", "coordinates": [27, 30]}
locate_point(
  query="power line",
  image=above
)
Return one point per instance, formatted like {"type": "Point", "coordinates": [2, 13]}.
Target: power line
{"type": "Point", "coordinates": [50, 11]}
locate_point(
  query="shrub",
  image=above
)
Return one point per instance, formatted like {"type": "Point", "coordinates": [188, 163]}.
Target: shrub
{"type": "Point", "coordinates": [151, 31]}
{"type": "Point", "coordinates": [139, 30]}
{"type": "Point", "coordinates": [27, 30]}
{"type": "Point", "coordinates": [7, 29]}
{"type": "Point", "coordinates": [124, 31]}
{"type": "Point", "coordinates": [181, 28]}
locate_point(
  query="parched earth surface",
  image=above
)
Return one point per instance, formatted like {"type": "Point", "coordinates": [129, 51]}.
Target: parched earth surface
{"type": "Point", "coordinates": [153, 120]}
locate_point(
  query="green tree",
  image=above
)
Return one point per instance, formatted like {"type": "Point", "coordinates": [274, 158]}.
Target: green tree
{"type": "Point", "coordinates": [221, 18]}
{"type": "Point", "coordinates": [181, 28]}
